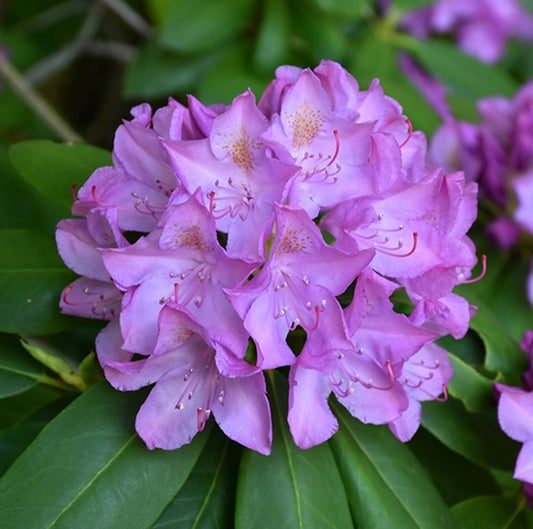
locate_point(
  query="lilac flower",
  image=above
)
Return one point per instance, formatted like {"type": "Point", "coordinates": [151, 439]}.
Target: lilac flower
{"type": "Point", "coordinates": [515, 415]}
{"type": "Point", "coordinates": [240, 183]}
{"type": "Point", "coordinates": [93, 295]}
{"type": "Point", "coordinates": [424, 376]}
{"type": "Point", "coordinates": [481, 27]}
{"type": "Point", "coordinates": [195, 377]}
{"type": "Point", "coordinates": [330, 149]}
{"type": "Point", "coordinates": [377, 373]}
{"type": "Point", "coordinates": [180, 261]}
{"type": "Point", "coordinates": [233, 206]}
{"type": "Point", "coordinates": [296, 286]}
{"type": "Point", "coordinates": [140, 181]}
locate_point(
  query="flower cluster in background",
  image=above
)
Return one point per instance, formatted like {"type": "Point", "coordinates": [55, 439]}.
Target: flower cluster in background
{"type": "Point", "coordinates": [481, 28]}
{"type": "Point", "coordinates": [515, 415]}
{"type": "Point", "coordinates": [229, 240]}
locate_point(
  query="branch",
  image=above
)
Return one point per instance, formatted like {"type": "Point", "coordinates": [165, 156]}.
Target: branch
{"type": "Point", "coordinates": [36, 102]}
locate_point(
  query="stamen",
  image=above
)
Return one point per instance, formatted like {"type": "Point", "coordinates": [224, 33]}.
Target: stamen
{"type": "Point", "coordinates": [202, 417]}
{"type": "Point", "coordinates": [400, 245]}
{"type": "Point", "coordinates": [409, 134]}
{"type": "Point", "coordinates": [331, 160]}
{"type": "Point", "coordinates": [481, 275]}
{"type": "Point", "coordinates": [95, 303]}
{"type": "Point", "coordinates": [73, 190]}
{"type": "Point", "coordinates": [391, 373]}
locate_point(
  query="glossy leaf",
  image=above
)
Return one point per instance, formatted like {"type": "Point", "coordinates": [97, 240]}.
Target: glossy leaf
{"type": "Point", "coordinates": [489, 512]}
{"type": "Point", "coordinates": [16, 409]}
{"type": "Point", "coordinates": [386, 485]}
{"type": "Point", "coordinates": [93, 469]}
{"type": "Point", "coordinates": [503, 354]}
{"type": "Point", "coordinates": [32, 277]}
{"type": "Point", "coordinates": [53, 168]}
{"type": "Point", "coordinates": [468, 384]}
{"type": "Point", "coordinates": [456, 477]}
{"type": "Point", "coordinates": [18, 371]}
{"type": "Point", "coordinates": [291, 488]}
{"type": "Point", "coordinates": [203, 24]}
{"type": "Point", "coordinates": [476, 436]}
{"type": "Point", "coordinates": [15, 439]}
{"type": "Point", "coordinates": [207, 499]}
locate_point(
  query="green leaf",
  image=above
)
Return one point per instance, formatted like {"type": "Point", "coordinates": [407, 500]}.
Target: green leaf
{"type": "Point", "coordinates": [53, 168]}
{"type": "Point", "coordinates": [154, 72]}
{"type": "Point", "coordinates": [460, 72]}
{"type": "Point", "coordinates": [272, 40]}
{"type": "Point", "coordinates": [88, 468]}
{"type": "Point", "coordinates": [15, 439]}
{"type": "Point", "coordinates": [386, 485]}
{"type": "Point", "coordinates": [469, 386]}
{"type": "Point", "coordinates": [32, 277]}
{"type": "Point", "coordinates": [204, 24]}
{"type": "Point", "coordinates": [503, 353]}
{"type": "Point", "coordinates": [18, 371]}
{"type": "Point", "coordinates": [206, 500]}
{"type": "Point", "coordinates": [456, 478]}
{"type": "Point", "coordinates": [320, 35]}
{"type": "Point", "coordinates": [16, 409]}
{"type": "Point", "coordinates": [476, 436]}
{"type": "Point", "coordinates": [344, 8]}
{"type": "Point", "coordinates": [406, 5]}
{"type": "Point", "coordinates": [489, 512]}
{"type": "Point", "coordinates": [228, 77]}
{"type": "Point", "coordinates": [292, 488]}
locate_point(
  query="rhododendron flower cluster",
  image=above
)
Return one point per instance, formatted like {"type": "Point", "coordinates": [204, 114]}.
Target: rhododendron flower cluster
{"type": "Point", "coordinates": [515, 415]}
{"type": "Point", "coordinates": [229, 240]}
{"type": "Point", "coordinates": [497, 153]}
{"type": "Point", "coordinates": [481, 28]}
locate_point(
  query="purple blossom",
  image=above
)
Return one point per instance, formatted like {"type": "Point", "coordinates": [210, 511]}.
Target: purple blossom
{"type": "Point", "coordinates": [259, 226]}
{"type": "Point", "coordinates": [481, 27]}
{"type": "Point", "coordinates": [93, 295]}
{"type": "Point", "coordinates": [195, 377]}
{"type": "Point", "coordinates": [296, 286]}
{"type": "Point", "coordinates": [240, 183]}
{"type": "Point", "coordinates": [180, 261]}
{"type": "Point", "coordinates": [379, 373]}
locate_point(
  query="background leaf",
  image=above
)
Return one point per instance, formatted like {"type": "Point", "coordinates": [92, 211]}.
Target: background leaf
{"type": "Point", "coordinates": [93, 469]}
{"type": "Point", "coordinates": [387, 487]}
{"type": "Point", "coordinates": [18, 370]}
{"type": "Point", "coordinates": [460, 72]}
{"type": "Point", "coordinates": [476, 436]}
{"type": "Point", "coordinates": [489, 512]}
{"type": "Point", "coordinates": [52, 168]}
{"type": "Point", "coordinates": [32, 277]}
{"type": "Point", "coordinates": [203, 24]}
{"type": "Point", "coordinates": [291, 488]}
{"type": "Point", "coordinates": [206, 500]}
